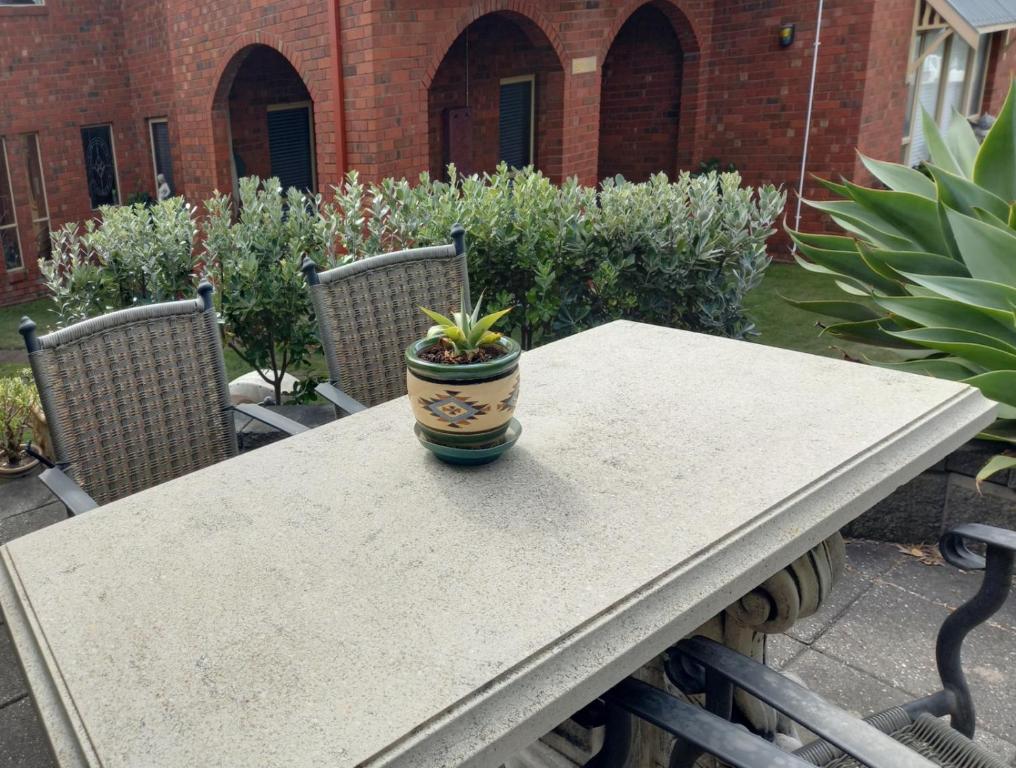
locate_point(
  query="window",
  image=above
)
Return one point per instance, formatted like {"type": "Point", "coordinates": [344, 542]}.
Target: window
{"type": "Point", "coordinates": [291, 145]}
{"type": "Point", "coordinates": [100, 165]}
{"type": "Point", "coordinates": [945, 76]}
{"type": "Point", "coordinates": [21, 2]}
{"type": "Point", "coordinates": [10, 243]}
{"type": "Point", "coordinates": [162, 159]}
{"type": "Point", "coordinates": [515, 121]}
{"type": "Point", "coordinates": [37, 202]}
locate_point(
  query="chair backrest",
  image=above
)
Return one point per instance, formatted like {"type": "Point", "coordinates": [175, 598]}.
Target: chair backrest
{"type": "Point", "coordinates": [368, 312]}
{"type": "Point", "coordinates": [135, 397]}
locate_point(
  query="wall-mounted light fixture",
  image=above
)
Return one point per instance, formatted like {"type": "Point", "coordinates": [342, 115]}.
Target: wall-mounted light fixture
{"type": "Point", "coordinates": [787, 33]}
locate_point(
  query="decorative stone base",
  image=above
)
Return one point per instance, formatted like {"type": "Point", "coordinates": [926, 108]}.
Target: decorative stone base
{"type": "Point", "coordinates": [944, 496]}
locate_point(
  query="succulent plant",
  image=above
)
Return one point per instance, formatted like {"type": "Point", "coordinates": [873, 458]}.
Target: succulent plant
{"type": "Point", "coordinates": [465, 333]}
{"type": "Point", "coordinates": [928, 266]}
{"type": "Point", "coordinates": [17, 396]}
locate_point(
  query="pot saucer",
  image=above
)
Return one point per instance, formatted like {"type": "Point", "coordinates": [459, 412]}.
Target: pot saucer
{"type": "Point", "coordinates": [471, 456]}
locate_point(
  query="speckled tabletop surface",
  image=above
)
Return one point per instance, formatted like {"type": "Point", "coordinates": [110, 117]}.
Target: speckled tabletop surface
{"type": "Point", "coordinates": [341, 598]}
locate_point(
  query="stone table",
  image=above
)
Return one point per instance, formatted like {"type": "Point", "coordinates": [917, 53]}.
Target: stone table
{"type": "Point", "coordinates": [341, 598]}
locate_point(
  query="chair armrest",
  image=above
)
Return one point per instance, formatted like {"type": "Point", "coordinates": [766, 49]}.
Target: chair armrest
{"type": "Point", "coordinates": [732, 744]}
{"type": "Point", "coordinates": [339, 399]}
{"type": "Point", "coordinates": [69, 492]}
{"type": "Point", "coordinates": [272, 419]}
{"type": "Point", "coordinates": [852, 735]}
{"type": "Point", "coordinates": [953, 544]}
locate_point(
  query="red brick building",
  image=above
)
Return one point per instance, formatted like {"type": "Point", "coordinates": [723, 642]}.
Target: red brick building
{"type": "Point", "coordinates": [99, 96]}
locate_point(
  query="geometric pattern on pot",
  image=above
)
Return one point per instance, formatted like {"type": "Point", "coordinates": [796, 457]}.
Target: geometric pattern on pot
{"type": "Point", "coordinates": [508, 404]}
{"type": "Point", "coordinates": [454, 409]}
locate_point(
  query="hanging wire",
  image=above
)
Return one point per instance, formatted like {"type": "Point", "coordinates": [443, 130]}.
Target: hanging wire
{"type": "Point", "coordinates": [807, 122]}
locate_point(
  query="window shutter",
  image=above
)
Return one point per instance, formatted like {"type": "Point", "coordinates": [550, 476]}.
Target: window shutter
{"type": "Point", "coordinates": [289, 147]}
{"type": "Point", "coordinates": [515, 121]}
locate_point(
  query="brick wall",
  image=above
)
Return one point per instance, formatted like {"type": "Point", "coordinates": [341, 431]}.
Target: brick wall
{"type": "Point", "coordinates": [62, 66]}
{"type": "Point", "coordinates": [1001, 69]}
{"type": "Point", "coordinates": [640, 99]}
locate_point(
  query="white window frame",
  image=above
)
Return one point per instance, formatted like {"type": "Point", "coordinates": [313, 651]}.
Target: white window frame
{"type": "Point", "coordinates": [532, 109]}
{"type": "Point", "coordinates": [33, 4]}
{"type": "Point", "coordinates": [42, 178]}
{"type": "Point", "coordinates": [926, 21]}
{"type": "Point", "coordinates": [14, 211]}
{"type": "Point", "coordinates": [151, 143]}
{"type": "Point", "coordinates": [116, 163]}
{"type": "Point", "coordinates": [309, 106]}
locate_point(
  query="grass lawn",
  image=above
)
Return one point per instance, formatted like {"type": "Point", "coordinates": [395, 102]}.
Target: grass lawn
{"type": "Point", "coordinates": [782, 325]}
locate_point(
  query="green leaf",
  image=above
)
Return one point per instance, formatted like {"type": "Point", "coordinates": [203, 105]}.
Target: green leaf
{"type": "Point", "coordinates": [997, 385]}
{"type": "Point", "coordinates": [963, 195]}
{"type": "Point", "coordinates": [941, 368]}
{"type": "Point", "coordinates": [893, 264]}
{"type": "Point", "coordinates": [828, 242]}
{"type": "Point", "coordinates": [989, 218]}
{"type": "Point", "coordinates": [853, 311]}
{"type": "Point", "coordinates": [946, 313]}
{"type": "Point", "coordinates": [962, 143]}
{"type": "Point", "coordinates": [485, 324]}
{"type": "Point", "coordinates": [980, 293]}
{"type": "Point", "coordinates": [849, 265]}
{"type": "Point", "coordinates": [941, 155]}
{"type": "Point", "coordinates": [1003, 431]}
{"type": "Point", "coordinates": [995, 464]}
{"type": "Point", "coordinates": [979, 349]}
{"type": "Point", "coordinates": [834, 187]}
{"type": "Point", "coordinates": [438, 317]}
{"type": "Point", "coordinates": [995, 167]}
{"type": "Point", "coordinates": [899, 177]}
{"type": "Point", "coordinates": [869, 332]}
{"type": "Point", "coordinates": [988, 252]}
{"type": "Point", "coordinates": [914, 217]}
{"type": "Point", "coordinates": [856, 220]}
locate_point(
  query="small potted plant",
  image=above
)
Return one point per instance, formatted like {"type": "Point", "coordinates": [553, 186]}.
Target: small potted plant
{"type": "Point", "coordinates": [463, 383]}
{"type": "Point", "coordinates": [17, 398]}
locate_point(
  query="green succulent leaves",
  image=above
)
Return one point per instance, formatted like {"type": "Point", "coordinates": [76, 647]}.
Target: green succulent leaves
{"type": "Point", "coordinates": [929, 265]}
{"type": "Point", "coordinates": [465, 332]}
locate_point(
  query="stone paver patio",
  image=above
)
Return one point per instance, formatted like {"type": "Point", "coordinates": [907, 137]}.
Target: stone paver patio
{"type": "Point", "coordinates": [871, 646]}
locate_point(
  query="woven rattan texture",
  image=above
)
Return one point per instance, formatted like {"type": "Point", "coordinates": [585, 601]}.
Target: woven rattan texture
{"type": "Point", "coordinates": [374, 315]}
{"type": "Point", "coordinates": [136, 404]}
{"type": "Point", "coordinates": [936, 740]}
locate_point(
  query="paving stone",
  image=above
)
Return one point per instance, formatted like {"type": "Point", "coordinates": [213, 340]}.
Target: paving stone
{"type": "Point", "coordinates": [849, 688]}
{"type": "Point", "coordinates": [865, 560]}
{"type": "Point", "coordinates": [23, 743]}
{"type": "Point", "coordinates": [781, 649]}
{"type": "Point", "coordinates": [12, 684]}
{"type": "Point", "coordinates": [21, 494]}
{"type": "Point", "coordinates": [1002, 749]}
{"type": "Point", "coordinates": [946, 585]}
{"type": "Point", "coordinates": [993, 504]}
{"type": "Point", "coordinates": [913, 513]}
{"type": "Point", "coordinates": [26, 522]}
{"type": "Point", "coordinates": [890, 635]}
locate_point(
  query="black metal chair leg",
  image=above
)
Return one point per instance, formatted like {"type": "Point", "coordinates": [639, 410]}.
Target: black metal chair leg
{"type": "Point", "coordinates": [995, 586]}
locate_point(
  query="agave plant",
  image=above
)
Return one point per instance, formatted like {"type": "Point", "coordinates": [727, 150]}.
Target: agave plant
{"type": "Point", "coordinates": [928, 265]}
{"type": "Point", "coordinates": [466, 332]}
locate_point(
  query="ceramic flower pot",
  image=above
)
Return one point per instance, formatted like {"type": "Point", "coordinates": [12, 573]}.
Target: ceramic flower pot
{"type": "Point", "coordinates": [25, 464]}
{"type": "Point", "coordinates": [466, 406]}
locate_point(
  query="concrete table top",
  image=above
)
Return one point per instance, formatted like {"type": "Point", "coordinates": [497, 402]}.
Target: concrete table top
{"type": "Point", "coordinates": [341, 598]}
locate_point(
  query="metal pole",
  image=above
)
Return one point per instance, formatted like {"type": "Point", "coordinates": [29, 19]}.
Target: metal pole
{"type": "Point", "coordinates": [807, 122]}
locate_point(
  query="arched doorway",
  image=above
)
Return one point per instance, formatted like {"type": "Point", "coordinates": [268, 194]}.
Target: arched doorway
{"type": "Point", "coordinates": [265, 117]}
{"type": "Point", "coordinates": [640, 97]}
{"type": "Point", "coordinates": [498, 94]}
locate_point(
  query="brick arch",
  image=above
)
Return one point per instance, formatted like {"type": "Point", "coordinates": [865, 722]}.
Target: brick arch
{"type": "Point", "coordinates": [679, 20]}
{"type": "Point", "coordinates": [231, 61]}
{"type": "Point", "coordinates": [525, 8]}
{"type": "Point", "coordinates": [691, 111]}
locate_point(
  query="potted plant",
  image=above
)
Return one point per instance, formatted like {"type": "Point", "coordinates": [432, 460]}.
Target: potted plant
{"type": "Point", "coordinates": [463, 383]}
{"type": "Point", "coordinates": [17, 398]}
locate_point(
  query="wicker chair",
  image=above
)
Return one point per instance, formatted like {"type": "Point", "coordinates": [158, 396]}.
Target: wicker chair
{"type": "Point", "coordinates": [368, 313]}
{"type": "Point", "coordinates": [909, 736]}
{"type": "Point", "coordinates": [135, 398]}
